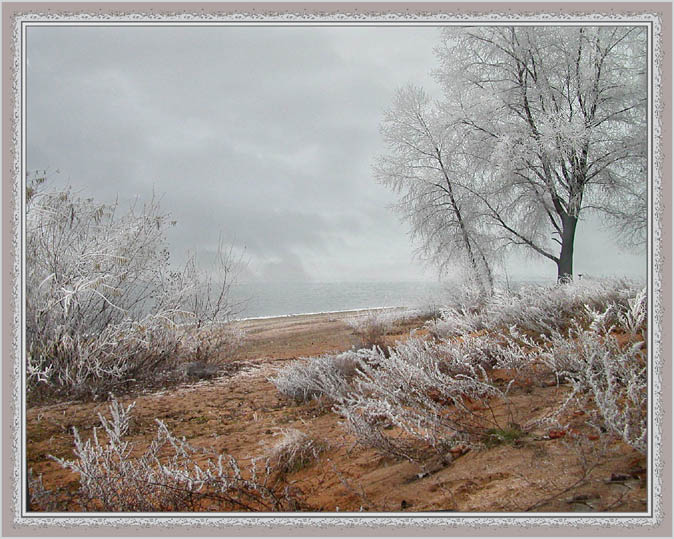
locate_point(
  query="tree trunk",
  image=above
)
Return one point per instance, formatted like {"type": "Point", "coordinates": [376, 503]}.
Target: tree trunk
{"type": "Point", "coordinates": [488, 273]}
{"type": "Point", "coordinates": [565, 262]}
{"type": "Point", "coordinates": [479, 277]}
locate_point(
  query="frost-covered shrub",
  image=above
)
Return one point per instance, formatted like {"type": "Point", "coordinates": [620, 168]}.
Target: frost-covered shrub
{"type": "Point", "coordinates": [294, 451]}
{"type": "Point", "coordinates": [609, 378]}
{"type": "Point", "coordinates": [113, 479]}
{"type": "Point", "coordinates": [618, 383]}
{"type": "Point", "coordinates": [612, 377]}
{"type": "Point", "coordinates": [544, 309]}
{"type": "Point", "coordinates": [328, 375]}
{"type": "Point", "coordinates": [465, 298]}
{"type": "Point", "coordinates": [426, 390]}
{"type": "Point", "coordinates": [212, 344]}
{"type": "Point", "coordinates": [346, 363]}
{"type": "Point", "coordinates": [541, 309]}
{"type": "Point", "coordinates": [368, 426]}
{"type": "Point", "coordinates": [630, 317]}
{"type": "Point", "coordinates": [103, 307]}
{"type": "Point", "coordinates": [454, 322]}
{"type": "Point", "coordinates": [634, 318]}
{"type": "Point", "coordinates": [435, 393]}
{"type": "Point", "coordinates": [486, 351]}
{"type": "Point", "coordinates": [372, 326]}
{"type": "Point", "coordinates": [81, 364]}
{"type": "Point", "coordinates": [462, 313]}
{"type": "Point", "coordinates": [427, 312]}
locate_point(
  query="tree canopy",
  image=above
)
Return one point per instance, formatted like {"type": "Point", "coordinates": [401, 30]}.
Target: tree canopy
{"type": "Point", "coordinates": [538, 125]}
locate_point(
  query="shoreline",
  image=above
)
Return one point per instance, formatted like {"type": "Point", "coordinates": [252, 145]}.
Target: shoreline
{"type": "Point", "coordinates": [319, 313]}
{"type": "Point", "coordinates": [309, 334]}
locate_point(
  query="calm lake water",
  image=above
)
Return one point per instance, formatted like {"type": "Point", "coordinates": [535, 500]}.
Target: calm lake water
{"type": "Point", "coordinates": [276, 299]}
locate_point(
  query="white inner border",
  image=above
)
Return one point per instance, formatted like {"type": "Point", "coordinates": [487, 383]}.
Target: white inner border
{"type": "Point", "coordinates": [475, 520]}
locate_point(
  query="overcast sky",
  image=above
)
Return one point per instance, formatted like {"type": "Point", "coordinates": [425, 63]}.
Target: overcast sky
{"type": "Point", "coordinates": [264, 136]}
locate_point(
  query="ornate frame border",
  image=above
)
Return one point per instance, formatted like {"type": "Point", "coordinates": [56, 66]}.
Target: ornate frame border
{"type": "Point", "coordinates": [18, 523]}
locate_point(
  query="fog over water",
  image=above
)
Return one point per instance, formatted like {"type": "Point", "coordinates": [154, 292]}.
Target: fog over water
{"type": "Point", "coordinates": [274, 299]}
{"type": "Point", "coordinates": [261, 136]}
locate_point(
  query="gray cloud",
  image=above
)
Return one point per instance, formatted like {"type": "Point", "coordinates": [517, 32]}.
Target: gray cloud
{"type": "Point", "coordinates": [262, 136]}
{"type": "Point", "coordinates": [289, 268]}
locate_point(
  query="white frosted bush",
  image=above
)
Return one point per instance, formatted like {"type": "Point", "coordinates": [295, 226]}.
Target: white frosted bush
{"type": "Point", "coordinates": [462, 313]}
{"type": "Point", "coordinates": [412, 390]}
{"type": "Point", "coordinates": [113, 479]}
{"type": "Point", "coordinates": [454, 322]}
{"type": "Point", "coordinates": [294, 450]}
{"type": "Point", "coordinates": [428, 389]}
{"type": "Point", "coordinates": [634, 317]}
{"type": "Point", "coordinates": [465, 298]}
{"type": "Point", "coordinates": [629, 316]}
{"type": "Point", "coordinates": [613, 377]}
{"type": "Point", "coordinates": [424, 386]}
{"type": "Point", "coordinates": [328, 375]}
{"type": "Point", "coordinates": [103, 306]}
{"type": "Point", "coordinates": [372, 326]}
{"type": "Point", "coordinates": [618, 382]}
{"type": "Point", "coordinates": [543, 309]}
{"type": "Point", "coordinates": [367, 425]}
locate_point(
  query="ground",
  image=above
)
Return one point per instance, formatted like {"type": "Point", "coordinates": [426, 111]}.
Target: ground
{"type": "Point", "coordinates": [243, 414]}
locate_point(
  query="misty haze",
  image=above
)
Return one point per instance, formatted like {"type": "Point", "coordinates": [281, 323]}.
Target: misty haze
{"type": "Point", "coordinates": [262, 137]}
{"type": "Point", "coordinates": [374, 268]}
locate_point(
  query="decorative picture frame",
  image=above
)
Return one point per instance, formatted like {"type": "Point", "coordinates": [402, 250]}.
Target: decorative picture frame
{"type": "Point", "coordinates": [18, 16]}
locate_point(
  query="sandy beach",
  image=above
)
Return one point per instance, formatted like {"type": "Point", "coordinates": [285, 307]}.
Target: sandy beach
{"type": "Point", "coordinates": [242, 414]}
{"type": "Point", "coordinates": [303, 335]}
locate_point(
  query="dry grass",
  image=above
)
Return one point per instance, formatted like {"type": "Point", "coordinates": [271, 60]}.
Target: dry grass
{"type": "Point", "coordinates": [294, 451]}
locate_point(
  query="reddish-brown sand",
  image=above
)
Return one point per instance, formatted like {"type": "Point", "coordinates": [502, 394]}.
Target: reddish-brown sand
{"type": "Point", "coordinates": [242, 415]}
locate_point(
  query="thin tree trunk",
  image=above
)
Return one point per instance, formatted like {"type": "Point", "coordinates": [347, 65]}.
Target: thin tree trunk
{"type": "Point", "coordinates": [565, 262]}
{"type": "Point", "coordinates": [487, 269]}
{"type": "Point", "coordinates": [464, 232]}
{"type": "Point", "coordinates": [469, 249]}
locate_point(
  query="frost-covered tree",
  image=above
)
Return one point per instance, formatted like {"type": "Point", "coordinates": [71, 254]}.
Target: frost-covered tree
{"type": "Point", "coordinates": [554, 120]}
{"type": "Point", "coordinates": [422, 164]}
{"type": "Point", "coordinates": [537, 127]}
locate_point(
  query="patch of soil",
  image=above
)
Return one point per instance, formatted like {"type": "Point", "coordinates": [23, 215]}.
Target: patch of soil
{"type": "Point", "coordinates": [242, 414]}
